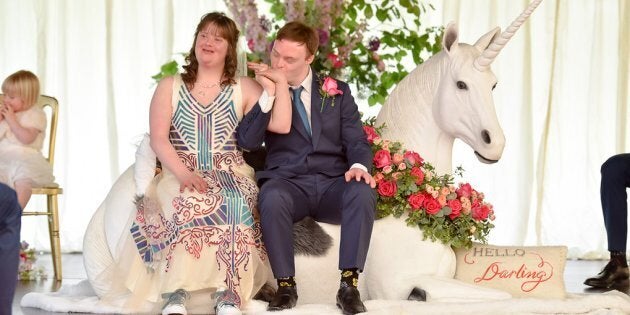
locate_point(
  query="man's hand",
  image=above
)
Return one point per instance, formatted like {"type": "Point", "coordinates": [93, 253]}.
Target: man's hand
{"type": "Point", "coordinates": [359, 174]}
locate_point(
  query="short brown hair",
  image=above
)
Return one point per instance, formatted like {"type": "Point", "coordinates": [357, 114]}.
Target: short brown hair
{"type": "Point", "coordinates": [300, 33]}
{"type": "Point", "coordinates": [23, 83]}
{"type": "Point", "coordinates": [228, 30]}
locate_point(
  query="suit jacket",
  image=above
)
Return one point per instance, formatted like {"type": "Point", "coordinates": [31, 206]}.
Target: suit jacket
{"type": "Point", "coordinates": [338, 139]}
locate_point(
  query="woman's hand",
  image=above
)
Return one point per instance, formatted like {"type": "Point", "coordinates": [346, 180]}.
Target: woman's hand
{"type": "Point", "coordinates": [192, 181]}
{"type": "Point", "coordinates": [267, 77]}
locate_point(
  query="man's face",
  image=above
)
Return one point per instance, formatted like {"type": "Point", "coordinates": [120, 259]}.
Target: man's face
{"type": "Point", "coordinates": [292, 58]}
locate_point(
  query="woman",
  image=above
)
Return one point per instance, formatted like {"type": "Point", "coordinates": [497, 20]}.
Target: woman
{"type": "Point", "coordinates": [196, 227]}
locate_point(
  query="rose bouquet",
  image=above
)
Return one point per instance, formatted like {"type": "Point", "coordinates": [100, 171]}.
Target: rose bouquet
{"type": "Point", "coordinates": [407, 185]}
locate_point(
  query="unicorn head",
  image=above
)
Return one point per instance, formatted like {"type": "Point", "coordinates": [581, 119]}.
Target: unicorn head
{"type": "Point", "coordinates": [450, 96]}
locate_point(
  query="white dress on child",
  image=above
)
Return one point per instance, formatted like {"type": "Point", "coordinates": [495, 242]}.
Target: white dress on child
{"type": "Point", "coordinates": [20, 161]}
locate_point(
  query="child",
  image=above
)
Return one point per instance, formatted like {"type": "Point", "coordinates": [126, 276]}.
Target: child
{"type": "Point", "coordinates": [22, 129]}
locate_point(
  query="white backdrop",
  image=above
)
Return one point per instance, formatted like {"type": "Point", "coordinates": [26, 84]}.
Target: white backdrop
{"type": "Point", "coordinates": [562, 100]}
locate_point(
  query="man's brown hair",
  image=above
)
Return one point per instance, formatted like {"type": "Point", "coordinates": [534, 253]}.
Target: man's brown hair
{"type": "Point", "coordinates": [300, 33]}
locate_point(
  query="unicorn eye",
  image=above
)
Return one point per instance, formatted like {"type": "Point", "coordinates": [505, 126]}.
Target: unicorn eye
{"type": "Point", "coordinates": [461, 85]}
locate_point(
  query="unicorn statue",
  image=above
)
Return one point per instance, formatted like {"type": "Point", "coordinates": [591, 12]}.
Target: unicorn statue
{"type": "Point", "coordinates": [449, 96]}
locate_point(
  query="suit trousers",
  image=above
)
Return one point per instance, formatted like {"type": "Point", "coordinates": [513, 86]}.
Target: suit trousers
{"type": "Point", "coordinates": [10, 223]}
{"type": "Point", "coordinates": [283, 201]}
{"type": "Point", "coordinates": [615, 179]}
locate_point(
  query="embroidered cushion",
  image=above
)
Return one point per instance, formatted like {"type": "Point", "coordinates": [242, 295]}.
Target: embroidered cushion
{"type": "Point", "coordinates": [520, 270]}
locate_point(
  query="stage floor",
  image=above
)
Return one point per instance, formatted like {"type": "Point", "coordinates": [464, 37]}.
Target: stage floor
{"type": "Point", "coordinates": [575, 273]}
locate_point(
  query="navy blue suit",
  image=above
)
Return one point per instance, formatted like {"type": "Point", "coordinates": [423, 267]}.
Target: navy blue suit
{"type": "Point", "coordinates": [10, 222]}
{"type": "Point", "coordinates": [615, 180]}
{"type": "Point", "coordinates": [304, 176]}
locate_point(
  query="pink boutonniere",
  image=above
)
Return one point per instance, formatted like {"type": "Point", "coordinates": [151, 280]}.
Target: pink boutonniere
{"type": "Point", "coordinates": [329, 89]}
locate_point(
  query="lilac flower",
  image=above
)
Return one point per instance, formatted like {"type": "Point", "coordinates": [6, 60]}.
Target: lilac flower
{"type": "Point", "coordinates": [295, 10]}
{"type": "Point", "coordinates": [323, 37]}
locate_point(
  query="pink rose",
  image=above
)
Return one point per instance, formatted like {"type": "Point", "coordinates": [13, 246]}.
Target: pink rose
{"type": "Point", "coordinates": [382, 158]}
{"type": "Point", "coordinates": [371, 134]}
{"type": "Point", "coordinates": [402, 166]}
{"type": "Point", "coordinates": [480, 212]}
{"type": "Point", "coordinates": [416, 200]}
{"type": "Point", "coordinates": [418, 174]}
{"type": "Point", "coordinates": [378, 177]}
{"type": "Point", "coordinates": [413, 158]}
{"type": "Point", "coordinates": [397, 158]}
{"type": "Point", "coordinates": [387, 169]}
{"type": "Point", "coordinates": [464, 190]}
{"type": "Point", "coordinates": [396, 175]}
{"type": "Point", "coordinates": [456, 208]}
{"type": "Point", "coordinates": [250, 44]}
{"type": "Point", "coordinates": [387, 188]}
{"type": "Point", "coordinates": [330, 87]}
{"type": "Point", "coordinates": [431, 205]}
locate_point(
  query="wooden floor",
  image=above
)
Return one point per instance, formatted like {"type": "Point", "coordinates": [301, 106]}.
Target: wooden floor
{"type": "Point", "coordinates": [73, 272]}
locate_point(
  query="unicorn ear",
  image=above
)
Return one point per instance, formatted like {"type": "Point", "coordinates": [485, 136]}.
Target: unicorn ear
{"type": "Point", "coordinates": [485, 40]}
{"type": "Point", "coordinates": [450, 41]}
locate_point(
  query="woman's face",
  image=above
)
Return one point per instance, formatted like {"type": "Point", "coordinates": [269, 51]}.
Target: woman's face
{"type": "Point", "coordinates": [211, 49]}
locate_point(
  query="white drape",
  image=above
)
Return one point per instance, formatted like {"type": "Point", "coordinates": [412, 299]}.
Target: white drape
{"type": "Point", "coordinates": [562, 100]}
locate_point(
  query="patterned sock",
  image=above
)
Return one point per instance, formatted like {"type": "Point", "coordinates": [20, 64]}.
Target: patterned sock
{"type": "Point", "coordinates": [286, 282]}
{"type": "Point", "coordinates": [619, 258]}
{"type": "Point", "coordinates": [349, 277]}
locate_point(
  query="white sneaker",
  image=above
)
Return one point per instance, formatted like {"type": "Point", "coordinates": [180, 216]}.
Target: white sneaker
{"type": "Point", "coordinates": [225, 303]}
{"type": "Point", "coordinates": [227, 309]}
{"type": "Point", "coordinates": [176, 303]}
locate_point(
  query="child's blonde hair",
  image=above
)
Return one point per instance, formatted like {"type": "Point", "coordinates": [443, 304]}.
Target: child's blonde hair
{"type": "Point", "coordinates": [23, 83]}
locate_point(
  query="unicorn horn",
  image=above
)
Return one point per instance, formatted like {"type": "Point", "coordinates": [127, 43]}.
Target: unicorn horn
{"type": "Point", "coordinates": [484, 60]}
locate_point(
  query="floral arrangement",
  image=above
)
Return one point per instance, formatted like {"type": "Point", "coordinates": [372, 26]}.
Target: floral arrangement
{"type": "Point", "coordinates": [407, 185]}
{"type": "Point", "coordinates": [27, 269]}
{"type": "Point", "coordinates": [363, 42]}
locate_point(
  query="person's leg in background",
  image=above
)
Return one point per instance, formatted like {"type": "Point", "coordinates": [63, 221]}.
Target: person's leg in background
{"type": "Point", "coordinates": [10, 223]}
{"type": "Point", "coordinates": [615, 179]}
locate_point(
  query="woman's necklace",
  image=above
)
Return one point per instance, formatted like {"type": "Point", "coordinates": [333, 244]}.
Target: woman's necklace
{"type": "Point", "coordinates": [205, 86]}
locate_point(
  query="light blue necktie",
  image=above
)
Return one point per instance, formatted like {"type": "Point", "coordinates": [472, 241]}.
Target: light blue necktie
{"type": "Point", "coordinates": [297, 102]}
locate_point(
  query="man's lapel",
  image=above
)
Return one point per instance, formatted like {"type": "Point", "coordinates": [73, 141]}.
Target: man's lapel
{"type": "Point", "coordinates": [316, 106]}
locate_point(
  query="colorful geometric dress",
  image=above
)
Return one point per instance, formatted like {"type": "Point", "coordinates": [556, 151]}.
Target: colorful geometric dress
{"type": "Point", "coordinates": [199, 241]}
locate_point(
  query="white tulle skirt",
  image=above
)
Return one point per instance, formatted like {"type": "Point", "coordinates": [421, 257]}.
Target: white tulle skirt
{"type": "Point", "coordinates": [18, 164]}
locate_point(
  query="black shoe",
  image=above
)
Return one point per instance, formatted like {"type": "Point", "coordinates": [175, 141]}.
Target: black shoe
{"type": "Point", "coordinates": [285, 298]}
{"type": "Point", "coordinates": [349, 301]}
{"type": "Point", "coordinates": [611, 276]}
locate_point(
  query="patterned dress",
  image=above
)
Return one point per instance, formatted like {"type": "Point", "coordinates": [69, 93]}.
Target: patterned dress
{"type": "Point", "coordinates": [201, 241]}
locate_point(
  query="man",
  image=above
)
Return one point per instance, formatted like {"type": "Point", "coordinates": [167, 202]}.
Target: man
{"type": "Point", "coordinates": [319, 169]}
{"type": "Point", "coordinates": [615, 180]}
{"type": "Point", "coordinates": [10, 222]}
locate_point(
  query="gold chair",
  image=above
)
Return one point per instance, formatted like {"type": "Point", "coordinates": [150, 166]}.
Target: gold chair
{"type": "Point", "coordinates": [51, 191]}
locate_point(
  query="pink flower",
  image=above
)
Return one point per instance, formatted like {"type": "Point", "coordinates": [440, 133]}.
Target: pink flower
{"type": "Point", "coordinates": [387, 188]}
{"type": "Point", "coordinates": [464, 190]}
{"type": "Point", "coordinates": [397, 158]}
{"type": "Point", "coordinates": [416, 200]}
{"type": "Point", "coordinates": [336, 63]}
{"type": "Point", "coordinates": [396, 175]}
{"type": "Point", "coordinates": [480, 212]}
{"type": "Point", "coordinates": [431, 205]}
{"type": "Point", "coordinates": [378, 177]}
{"type": "Point", "coordinates": [418, 174]}
{"type": "Point", "coordinates": [382, 158]}
{"type": "Point", "coordinates": [402, 166]}
{"type": "Point", "coordinates": [413, 158]}
{"type": "Point", "coordinates": [456, 208]}
{"type": "Point", "coordinates": [371, 133]}
{"type": "Point", "coordinates": [330, 87]}
{"type": "Point", "coordinates": [387, 169]}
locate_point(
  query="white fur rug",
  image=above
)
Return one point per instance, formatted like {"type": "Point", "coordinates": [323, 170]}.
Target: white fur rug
{"type": "Point", "coordinates": [81, 298]}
